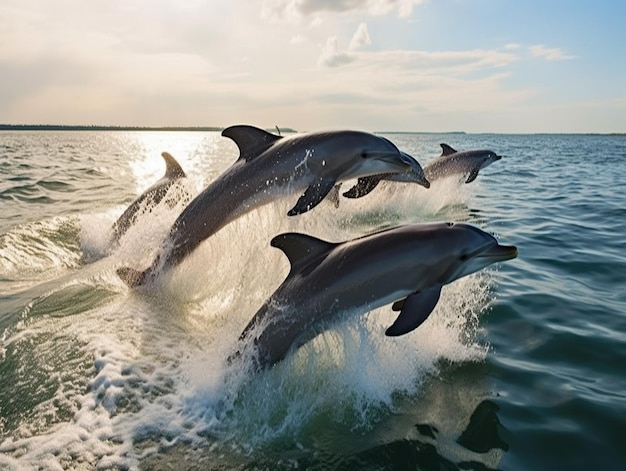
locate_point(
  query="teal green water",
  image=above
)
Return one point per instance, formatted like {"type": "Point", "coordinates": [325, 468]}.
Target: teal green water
{"type": "Point", "coordinates": [521, 366]}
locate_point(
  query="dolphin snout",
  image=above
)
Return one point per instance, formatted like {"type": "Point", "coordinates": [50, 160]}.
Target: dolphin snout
{"type": "Point", "coordinates": [416, 170]}
{"type": "Point", "coordinates": [501, 252]}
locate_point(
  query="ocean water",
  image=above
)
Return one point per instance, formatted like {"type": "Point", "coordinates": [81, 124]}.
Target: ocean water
{"type": "Point", "coordinates": [521, 366]}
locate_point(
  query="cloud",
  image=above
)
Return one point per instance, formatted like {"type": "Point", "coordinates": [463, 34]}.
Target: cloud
{"type": "Point", "coordinates": [360, 38]}
{"type": "Point", "coordinates": [331, 56]}
{"type": "Point", "coordinates": [217, 63]}
{"type": "Point", "coordinates": [550, 54]}
{"type": "Point", "coordinates": [293, 10]}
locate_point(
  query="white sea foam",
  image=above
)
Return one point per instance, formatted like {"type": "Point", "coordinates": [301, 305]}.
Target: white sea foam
{"type": "Point", "coordinates": [158, 374]}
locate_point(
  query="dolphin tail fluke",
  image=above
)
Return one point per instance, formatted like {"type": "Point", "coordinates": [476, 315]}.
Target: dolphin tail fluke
{"type": "Point", "coordinates": [131, 277]}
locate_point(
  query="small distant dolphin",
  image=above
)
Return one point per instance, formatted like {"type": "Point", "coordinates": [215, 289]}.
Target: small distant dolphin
{"type": "Point", "coordinates": [466, 163]}
{"type": "Point", "coordinates": [270, 166]}
{"type": "Point", "coordinates": [149, 198]}
{"type": "Point", "coordinates": [406, 265]}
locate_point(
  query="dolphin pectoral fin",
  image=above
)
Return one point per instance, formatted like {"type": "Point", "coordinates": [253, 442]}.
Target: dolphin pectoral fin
{"type": "Point", "coordinates": [130, 276]}
{"type": "Point", "coordinates": [363, 186]}
{"type": "Point", "coordinates": [472, 176]}
{"type": "Point", "coordinates": [414, 310]}
{"type": "Point", "coordinates": [313, 195]}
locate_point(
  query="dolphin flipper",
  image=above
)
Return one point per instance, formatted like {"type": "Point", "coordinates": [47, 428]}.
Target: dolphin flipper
{"type": "Point", "coordinates": [414, 310]}
{"type": "Point", "coordinates": [363, 186]}
{"type": "Point", "coordinates": [313, 195]}
{"type": "Point", "coordinates": [472, 176]}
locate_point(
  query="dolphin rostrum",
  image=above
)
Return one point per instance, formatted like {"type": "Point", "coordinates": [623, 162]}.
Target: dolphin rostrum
{"type": "Point", "coordinates": [406, 265]}
{"type": "Point", "coordinates": [465, 163]}
{"type": "Point", "coordinates": [149, 198]}
{"type": "Point", "coordinates": [268, 167]}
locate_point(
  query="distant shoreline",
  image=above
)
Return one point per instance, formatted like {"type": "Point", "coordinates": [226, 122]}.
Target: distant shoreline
{"type": "Point", "coordinates": [65, 127]}
{"type": "Point", "coordinates": [68, 127]}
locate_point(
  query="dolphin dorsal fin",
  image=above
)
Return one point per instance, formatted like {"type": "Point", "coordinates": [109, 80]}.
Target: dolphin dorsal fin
{"type": "Point", "coordinates": [250, 140]}
{"type": "Point", "coordinates": [172, 167]}
{"type": "Point", "coordinates": [447, 150]}
{"type": "Point", "coordinates": [302, 250]}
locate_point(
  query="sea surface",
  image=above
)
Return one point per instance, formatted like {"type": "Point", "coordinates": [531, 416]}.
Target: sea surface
{"type": "Point", "coordinates": [521, 366]}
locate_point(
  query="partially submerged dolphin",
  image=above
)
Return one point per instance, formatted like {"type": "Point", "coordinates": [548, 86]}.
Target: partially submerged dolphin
{"type": "Point", "coordinates": [465, 164]}
{"type": "Point", "coordinates": [149, 198]}
{"type": "Point", "coordinates": [406, 265]}
{"type": "Point", "coordinates": [268, 167]}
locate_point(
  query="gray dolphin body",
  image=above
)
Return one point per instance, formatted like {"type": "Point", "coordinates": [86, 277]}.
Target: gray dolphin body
{"type": "Point", "coordinates": [406, 265]}
{"type": "Point", "coordinates": [270, 166]}
{"type": "Point", "coordinates": [149, 198]}
{"type": "Point", "coordinates": [466, 163]}
{"type": "Point", "coordinates": [366, 184]}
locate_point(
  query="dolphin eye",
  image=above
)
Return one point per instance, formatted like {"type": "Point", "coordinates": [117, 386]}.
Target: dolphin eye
{"type": "Point", "coordinates": [363, 154]}
{"type": "Point", "coordinates": [463, 257]}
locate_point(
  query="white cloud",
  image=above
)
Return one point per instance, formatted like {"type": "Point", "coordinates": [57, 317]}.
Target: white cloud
{"type": "Point", "coordinates": [360, 38]}
{"type": "Point", "coordinates": [332, 56]}
{"type": "Point", "coordinates": [550, 54]}
{"type": "Point", "coordinates": [217, 63]}
{"type": "Point", "coordinates": [293, 10]}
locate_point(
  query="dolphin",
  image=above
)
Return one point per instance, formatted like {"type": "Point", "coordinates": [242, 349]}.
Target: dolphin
{"type": "Point", "coordinates": [366, 184]}
{"type": "Point", "coordinates": [406, 265]}
{"type": "Point", "coordinates": [466, 163]}
{"type": "Point", "coordinates": [450, 162]}
{"type": "Point", "coordinates": [270, 166]}
{"type": "Point", "coordinates": [149, 198]}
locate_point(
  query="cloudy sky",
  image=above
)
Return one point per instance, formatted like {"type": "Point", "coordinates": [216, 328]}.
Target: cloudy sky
{"type": "Point", "coordinates": [378, 65]}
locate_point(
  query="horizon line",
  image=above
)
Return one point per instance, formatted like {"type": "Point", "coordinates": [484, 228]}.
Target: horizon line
{"type": "Point", "coordinates": [101, 127]}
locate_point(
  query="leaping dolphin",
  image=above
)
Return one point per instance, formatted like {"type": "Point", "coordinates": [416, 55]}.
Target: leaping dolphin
{"type": "Point", "coordinates": [149, 198]}
{"type": "Point", "coordinates": [406, 266]}
{"type": "Point", "coordinates": [450, 162]}
{"type": "Point", "coordinates": [465, 163]}
{"type": "Point", "coordinates": [366, 184]}
{"type": "Point", "coordinates": [268, 167]}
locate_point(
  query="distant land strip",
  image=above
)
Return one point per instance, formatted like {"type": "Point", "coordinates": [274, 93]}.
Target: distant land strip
{"type": "Point", "coordinates": [275, 129]}
{"type": "Point", "coordinates": [68, 127]}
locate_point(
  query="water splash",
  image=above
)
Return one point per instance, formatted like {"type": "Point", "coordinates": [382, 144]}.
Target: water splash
{"type": "Point", "coordinates": [152, 370]}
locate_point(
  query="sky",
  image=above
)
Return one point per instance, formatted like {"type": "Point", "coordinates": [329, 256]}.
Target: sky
{"type": "Point", "coordinates": [520, 66]}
